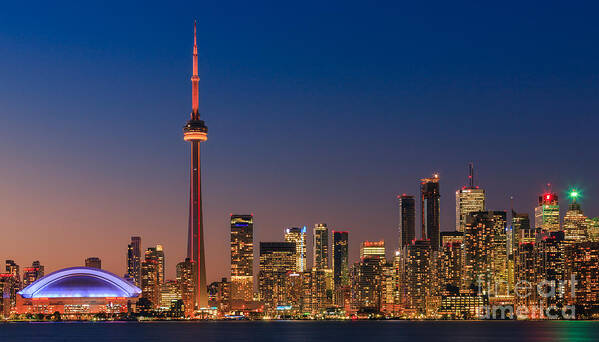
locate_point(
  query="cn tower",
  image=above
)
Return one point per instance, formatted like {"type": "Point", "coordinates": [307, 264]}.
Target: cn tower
{"type": "Point", "coordinates": [195, 131]}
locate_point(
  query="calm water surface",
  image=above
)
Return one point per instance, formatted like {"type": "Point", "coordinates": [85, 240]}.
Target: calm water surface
{"type": "Point", "coordinates": [303, 331]}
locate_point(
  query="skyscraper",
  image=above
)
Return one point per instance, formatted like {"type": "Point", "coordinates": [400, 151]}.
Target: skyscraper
{"type": "Point", "coordinates": [418, 275]}
{"type": "Point", "coordinates": [157, 253]}
{"type": "Point", "coordinates": [185, 280]}
{"type": "Point", "coordinates": [277, 259]}
{"type": "Point", "coordinates": [575, 223]}
{"type": "Point", "coordinates": [298, 236]}
{"type": "Point", "coordinates": [450, 261]}
{"type": "Point", "coordinates": [149, 281]}
{"type": "Point", "coordinates": [242, 257]}
{"type": "Point", "coordinates": [14, 269]}
{"type": "Point", "coordinates": [430, 210]}
{"type": "Point", "coordinates": [519, 228]}
{"type": "Point", "coordinates": [195, 131]}
{"type": "Point", "coordinates": [12, 282]}
{"type": "Point", "coordinates": [32, 273]}
{"type": "Point", "coordinates": [407, 219]}
{"type": "Point", "coordinates": [321, 246]}
{"type": "Point", "coordinates": [134, 260]}
{"type": "Point", "coordinates": [547, 212]}
{"type": "Point", "coordinates": [8, 292]}
{"type": "Point", "coordinates": [152, 274]}
{"type": "Point", "coordinates": [94, 262]}
{"type": "Point", "coordinates": [340, 259]}
{"type": "Point", "coordinates": [467, 200]}
{"type": "Point", "coordinates": [552, 258]}
{"type": "Point", "coordinates": [366, 278]}
{"type": "Point", "coordinates": [581, 264]}
{"type": "Point", "coordinates": [485, 249]}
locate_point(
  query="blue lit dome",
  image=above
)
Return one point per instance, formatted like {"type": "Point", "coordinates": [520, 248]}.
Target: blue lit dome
{"type": "Point", "coordinates": [80, 282]}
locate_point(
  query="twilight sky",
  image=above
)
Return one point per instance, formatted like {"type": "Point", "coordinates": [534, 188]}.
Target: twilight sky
{"type": "Point", "coordinates": [317, 112]}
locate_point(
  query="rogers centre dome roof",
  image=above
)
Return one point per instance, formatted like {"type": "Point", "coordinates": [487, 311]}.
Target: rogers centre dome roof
{"type": "Point", "coordinates": [80, 282]}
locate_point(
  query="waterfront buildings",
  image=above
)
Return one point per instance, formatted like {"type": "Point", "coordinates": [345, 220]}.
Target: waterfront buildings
{"type": "Point", "coordinates": [170, 293]}
{"type": "Point", "coordinates": [582, 265]}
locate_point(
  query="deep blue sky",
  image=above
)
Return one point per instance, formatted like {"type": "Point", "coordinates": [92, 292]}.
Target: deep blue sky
{"type": "Point", "coordinates": [317, 112]}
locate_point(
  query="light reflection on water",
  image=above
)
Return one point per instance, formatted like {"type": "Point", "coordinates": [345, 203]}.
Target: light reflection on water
{"type": "Point", "coordinates": [413, 331]}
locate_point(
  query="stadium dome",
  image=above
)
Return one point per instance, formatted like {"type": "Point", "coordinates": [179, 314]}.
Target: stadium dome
{"type": "Point", "coordinates": [77, 282]}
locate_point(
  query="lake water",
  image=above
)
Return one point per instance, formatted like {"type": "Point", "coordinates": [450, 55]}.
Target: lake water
{"type": "Point", "coordinates": [414, 331]}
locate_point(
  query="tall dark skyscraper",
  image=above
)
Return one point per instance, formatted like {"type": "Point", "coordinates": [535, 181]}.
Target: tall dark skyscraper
{"type": "Point", "coordinates": [407, 220]}
{"type": "Point", "coordinates": [321, 246]}
{"type": "Point", "coordinates": [195, 131]}
{"type": "Point", "coordinates": [430, 210]}
{"type": "Point", "coordinates": [340, 259]}
{"type": "Point", "coordinates": [242, 257]}
{"type": "Point", "coordinates": [134, 260]}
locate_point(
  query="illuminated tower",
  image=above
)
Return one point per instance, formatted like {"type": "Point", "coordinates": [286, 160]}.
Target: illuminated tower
{"type": "Point", "coordinates": [547, 212]}
{"type": "Point", "coordinates": [430, 211]}
{"type": "Point", "coordinates": [195, 131]}
{"type": "Point", "coordinates": [467, 200]}
{"type": "Point", "coordinates": [417, 276]}
{"type": "Point", "coordinates": [298, 236]}
{"type": "Point", "coordinates": [242, 257]}
{"type": "Point", "coordinates": [134, 260]}
{"type": "Point", "coordinates": [575, 223]}
{"type": "Point", "coordinates": [321, 246]}
{"type": "Point", "coordinates": [485, 249]}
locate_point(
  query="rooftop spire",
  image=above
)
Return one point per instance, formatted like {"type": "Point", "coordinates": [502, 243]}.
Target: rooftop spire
{"type": "Point", "coordinates": [195, 79]}
{"type": "Point", "coordinates": [471, 175]}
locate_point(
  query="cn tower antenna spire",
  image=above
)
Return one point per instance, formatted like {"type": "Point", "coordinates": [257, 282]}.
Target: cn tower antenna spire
{"type": "Point", "coordinates": [195, 79]}
{"type": "Point", "coordinates": [471, 175]}
{"type": "Point", "coordinates": [195, 132]}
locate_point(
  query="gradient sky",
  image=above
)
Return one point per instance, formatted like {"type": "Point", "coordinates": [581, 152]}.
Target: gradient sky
{"type": "Point", "coordinates": [317, 112]}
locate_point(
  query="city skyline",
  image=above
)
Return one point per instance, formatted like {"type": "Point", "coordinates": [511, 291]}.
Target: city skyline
{"type": "Point", "coordinates": [110, 204]}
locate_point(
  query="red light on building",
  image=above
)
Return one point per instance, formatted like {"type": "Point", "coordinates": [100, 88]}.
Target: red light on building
{"type": "Point", "coordinates": [373, 243]}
